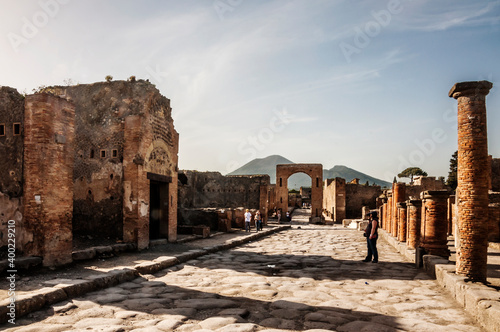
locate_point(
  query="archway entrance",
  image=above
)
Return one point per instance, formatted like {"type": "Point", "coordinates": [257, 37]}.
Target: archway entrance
{"type": "Point", "coordinates": [315, 171]}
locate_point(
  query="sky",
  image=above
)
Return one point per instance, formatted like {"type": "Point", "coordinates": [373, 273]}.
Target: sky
{"type": "Point", "coordinates": [357, 83]}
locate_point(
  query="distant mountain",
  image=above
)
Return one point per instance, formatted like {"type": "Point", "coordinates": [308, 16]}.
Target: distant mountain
{"type": "Point", "coordinates": [262, 166]}
{"type": "Point", "coordinates": [349, 174]}
{"type": "Point", "coordinates": [268, 166]}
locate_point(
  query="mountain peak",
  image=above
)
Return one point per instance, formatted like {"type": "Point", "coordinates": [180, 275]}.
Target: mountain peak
{"type": "Point", "coordinates": [268, 164]}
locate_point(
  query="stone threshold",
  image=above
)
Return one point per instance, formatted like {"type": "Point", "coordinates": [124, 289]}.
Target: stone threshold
{"type": "Point", "coordinates": [64, 289]}
{"type": "Point", "coordinates": [481, 301]}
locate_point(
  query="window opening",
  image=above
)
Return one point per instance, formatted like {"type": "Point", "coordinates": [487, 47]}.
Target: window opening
{"type": "Point", "coordinates": [17, 129]}
{"type": "Point", "coordinates": [2, 129]}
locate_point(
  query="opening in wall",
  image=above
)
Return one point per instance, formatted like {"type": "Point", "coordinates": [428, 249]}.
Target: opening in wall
{"type": "Point", "coordinates": [92, 154]}
{"type": "Point", "coordinates": [2, 129]}
{"type": "Point", "coordinates": [17, 129]}
{"type": "Point", "coordinates": [114, 153]}
{"type": "Point", "coordinates": [103, 153]}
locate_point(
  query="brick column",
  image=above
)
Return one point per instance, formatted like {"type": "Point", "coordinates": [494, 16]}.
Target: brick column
{"type": "Point", "coordinates": [399, 196]}
{"type": "Point", "coordinates": [49, 151]}
{"type": "Point", "coordinates": [414, 217]}
{"type": "Point", "coordinates": [388, 224]}
{"type": "Point", "coordinates": [435, 227]}
{"type": "Point", "coordinates": [473, 180]}
{"type": "Point", "coordinates": [402, 222]}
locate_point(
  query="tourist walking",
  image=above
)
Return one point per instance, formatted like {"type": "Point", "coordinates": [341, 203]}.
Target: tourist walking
{"type": "Point", "coordinates": [279, 216]}
{"type": "Point", "coordinates": [258, 220]}
{"type": "Point", "coordinates": [371, 235]}
{"type": "Point", "coordinates": [248, 219]}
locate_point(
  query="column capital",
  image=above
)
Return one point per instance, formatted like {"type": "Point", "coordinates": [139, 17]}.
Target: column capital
{"type": "Point", "coordinates": [470, 89]}
{"type": "Point", "coordinates": [401, 205]}
{"type": "Point", "coordinates": [414, 202]}
{"type": "Point", "coordinates": [435, 194]}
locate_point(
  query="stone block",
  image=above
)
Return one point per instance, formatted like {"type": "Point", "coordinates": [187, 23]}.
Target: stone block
{"type": "Point", "coordinates": [84, 254]}
{"type": "Point", "coordinates": [474, 296]}
{"type": "Point", "coordinates": [26, 263]}
{"type": "Point", "coordinates": [224, 225]}
{"type": "Point", "coordinates": [203, 231]}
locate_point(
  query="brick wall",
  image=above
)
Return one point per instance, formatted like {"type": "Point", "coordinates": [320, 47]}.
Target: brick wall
{"type": "Point", "coordinates": [48, 174]}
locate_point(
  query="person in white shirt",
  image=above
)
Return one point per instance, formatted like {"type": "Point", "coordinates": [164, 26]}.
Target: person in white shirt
{"type": "Point", "coordinates": [248, 219]}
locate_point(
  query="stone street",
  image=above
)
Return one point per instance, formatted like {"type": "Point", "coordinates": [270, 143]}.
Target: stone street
{"type": "Point", "coordinates": [308, 278]}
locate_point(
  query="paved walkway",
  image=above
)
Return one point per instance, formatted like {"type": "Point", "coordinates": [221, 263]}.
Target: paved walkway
{"type": "Point", "coordinates": [307, 278]}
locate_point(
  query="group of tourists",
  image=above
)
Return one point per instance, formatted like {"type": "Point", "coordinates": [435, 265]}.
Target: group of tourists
{"type": "Point", "coordinates": [248, 220]}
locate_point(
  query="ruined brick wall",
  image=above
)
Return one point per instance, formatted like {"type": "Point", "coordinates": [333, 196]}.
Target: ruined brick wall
{"type": "Point", "coordinates": [495, 174]}
{"type": "Point", "coordinates": [124, 134]}
{"type": "Point", "coordinates": [48, 177]}
{"type": "Point", "coordinates": [212, 189]}
{"type": "Point", "coordinates": [202, 193]}
{"type": "Point", "coordinates": [11, 163]}
{"type": "Point", "coordinates": [334, 199]}
{"type": "Point", "coordinates": [101, 111]}
{"type": "Point", "coordinates": [358, 196]}
{"type": "Point", "coordinates": [424, 183]}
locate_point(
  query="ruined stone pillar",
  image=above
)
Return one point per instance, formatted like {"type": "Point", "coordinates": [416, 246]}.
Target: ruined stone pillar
{"type": "Point", "coordinates": [388, 224]}
{"type": "Point", "coordinates": [414, 217]}
{"type": "Point", "coordinates": [473, 182]}
{"type": "Point", "coordinates": [435, 227]}
{"type": "Point", "coordinates": [49, 127]}
{"type": "Point", "coordinates": [402, 222]}
{"type": "Point", "coordinates": [399, 196]}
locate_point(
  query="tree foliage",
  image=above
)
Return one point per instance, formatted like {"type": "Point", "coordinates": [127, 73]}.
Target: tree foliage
{"type": "Point", "coordinates": [452, 174]}
{"type": "Point", "coordinates": [410, 172]}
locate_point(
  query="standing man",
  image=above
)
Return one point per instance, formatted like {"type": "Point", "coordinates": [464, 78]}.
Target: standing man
{"type": "Point", "coordinates": [371, 235]}
{"type": "Point", "coordinates": [248, 219]}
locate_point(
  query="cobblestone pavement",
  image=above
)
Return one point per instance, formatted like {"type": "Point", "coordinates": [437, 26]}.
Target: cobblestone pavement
{"type": "Point", "coordinates": [304, 279]}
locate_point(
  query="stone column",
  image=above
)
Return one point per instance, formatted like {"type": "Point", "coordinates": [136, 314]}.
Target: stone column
{"type": "Point", "coordinates": [435, 227]}
{"type": "Point", "coordinates": [414, 217]}
{"type": "Point", "coordinates": [399, 196]}
{"type": "Point", "coordinates": [473, 179]}
{"type": "Point", "coordinates": [402, 222]}
{"type": "Point", "coordinates": [388, 224]}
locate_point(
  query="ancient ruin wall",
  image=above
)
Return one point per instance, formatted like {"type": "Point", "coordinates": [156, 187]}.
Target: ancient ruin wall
{"type": "Point", "coordinates": [495, 174]}
{"type": "Point", "coordinates": [202, 193]}
{"type": "Point", "coordinates": [213, 190]}
{"type": "Point", "coordinates": [11, 162]}
{"type": "Point", "coordinates": [101, 110]}
{"type": "Point", "coordinates": [358, 196]}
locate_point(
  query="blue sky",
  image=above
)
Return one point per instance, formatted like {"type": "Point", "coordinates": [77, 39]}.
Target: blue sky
{"type": "Point", "coordinates": [357, 83]}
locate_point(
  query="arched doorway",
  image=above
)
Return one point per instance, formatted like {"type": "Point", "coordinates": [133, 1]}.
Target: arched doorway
{"type": "Point", "coordinates": [315, 171]}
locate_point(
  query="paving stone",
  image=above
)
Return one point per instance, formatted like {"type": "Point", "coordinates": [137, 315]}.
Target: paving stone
{"type": "Point", "coordinates": [214, 323]}
{"type": "Point", "coordinates": [205, 303]}
{"type": "Point", "coordinates": [246, 327]}
{"type": "Point", "coordinates": [95, 321]}
{"type": "Point", "coordinates": [110, 298]}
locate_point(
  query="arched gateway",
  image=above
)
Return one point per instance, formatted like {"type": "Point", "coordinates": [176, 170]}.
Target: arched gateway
{"type": "Point", "coordinates": [315, 171]}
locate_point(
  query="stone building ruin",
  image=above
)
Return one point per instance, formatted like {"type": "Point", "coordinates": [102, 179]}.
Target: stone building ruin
{"type": "Point", "coordinates": [217, 201]}
{"type": "Point", "coordinates": [96, 160]}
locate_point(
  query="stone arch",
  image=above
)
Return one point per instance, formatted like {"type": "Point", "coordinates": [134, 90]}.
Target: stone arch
{"type": "Point", "coordinates": [315, 171]}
